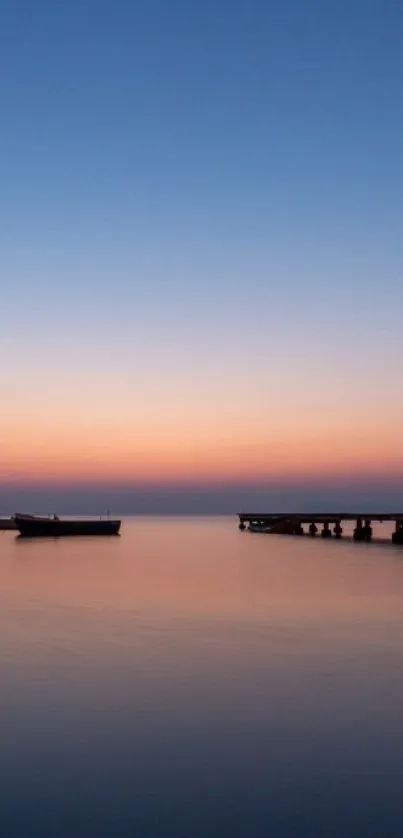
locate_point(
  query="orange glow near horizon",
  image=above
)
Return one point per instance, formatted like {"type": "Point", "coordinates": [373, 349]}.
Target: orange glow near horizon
{"type": "Point", "coordinates": [184, 424]}
{"type": "Point", "coordinates": [205, 452]}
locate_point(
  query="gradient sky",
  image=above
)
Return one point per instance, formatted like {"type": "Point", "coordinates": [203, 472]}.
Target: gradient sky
{"type": "Point", "coordinates": [201, 242]}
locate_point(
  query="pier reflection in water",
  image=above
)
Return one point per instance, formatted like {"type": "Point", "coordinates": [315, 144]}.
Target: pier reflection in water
{"type": "Point", "coordinates": [186, 680]}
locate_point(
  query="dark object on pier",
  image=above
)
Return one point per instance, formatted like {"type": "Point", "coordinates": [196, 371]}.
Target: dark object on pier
{"type": "Point", "coordinates": [312, 530]}
{"type": "Point", "coordinates": [31, 526]}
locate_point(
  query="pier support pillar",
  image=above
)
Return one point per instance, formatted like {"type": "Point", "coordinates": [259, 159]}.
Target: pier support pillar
{"type": "Point", "coordinates": [397, 536]}
{"type": "Point", "coordinates": [338, 529]}
{"type": "Point", "coordinates": [312, 530]}
{"type": "Point", "coordinates": [326, 532]}
{"type": "Point", "coordinates": [367, 530]}
{"type": "Point", "coordinates": [359, 534]}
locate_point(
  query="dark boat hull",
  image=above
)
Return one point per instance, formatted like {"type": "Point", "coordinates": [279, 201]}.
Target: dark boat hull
{"type": "Point", "coordinates": [7, 524]}
{"type": "Point", "coordinates": [48, 527]}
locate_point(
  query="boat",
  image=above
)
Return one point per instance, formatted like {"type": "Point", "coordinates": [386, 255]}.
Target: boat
{"type": "Point", "coordinates": [277, 526]}
{"type": "Point", "coordinates": [258, 528]}
{"type": "Point", "coordinates": [7, 524]}
{"type": "Point", "coordinates": [31, 526]}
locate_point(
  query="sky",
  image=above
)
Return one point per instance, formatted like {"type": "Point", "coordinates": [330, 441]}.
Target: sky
{"type": "Point", "coordinates": [201, 251]}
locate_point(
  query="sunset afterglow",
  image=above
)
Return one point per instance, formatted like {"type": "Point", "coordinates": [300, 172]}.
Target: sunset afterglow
{"type": "Point", "coordinates": [201, 272]}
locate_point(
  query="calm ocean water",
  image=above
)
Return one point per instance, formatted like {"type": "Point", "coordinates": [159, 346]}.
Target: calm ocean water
{"type": "Point", "coordinates": [190, 680]}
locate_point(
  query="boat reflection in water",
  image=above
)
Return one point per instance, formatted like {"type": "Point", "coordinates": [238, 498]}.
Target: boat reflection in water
{"type": "Point", "coordinates": [31, 526]}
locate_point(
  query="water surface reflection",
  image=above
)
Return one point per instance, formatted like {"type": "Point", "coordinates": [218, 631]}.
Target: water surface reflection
{"type": "Point", "coordinates": [189, 680]}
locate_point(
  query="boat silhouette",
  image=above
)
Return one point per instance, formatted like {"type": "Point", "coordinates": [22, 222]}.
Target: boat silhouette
{"type": "Point", "coordinates": [31, 526]}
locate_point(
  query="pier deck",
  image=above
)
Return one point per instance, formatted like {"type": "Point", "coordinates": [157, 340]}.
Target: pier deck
{"type": "Point", "coordinates": [292, 523]}
{"type": "Point", "coordinates": [320, 517]}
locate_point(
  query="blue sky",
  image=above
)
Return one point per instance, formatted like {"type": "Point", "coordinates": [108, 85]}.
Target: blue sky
{"type": "Point", "coordinates": [197, 195]}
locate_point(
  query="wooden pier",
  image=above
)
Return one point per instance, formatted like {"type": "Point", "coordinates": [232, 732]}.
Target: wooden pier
{"type": "Point", "coordinates": [329, 523]}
